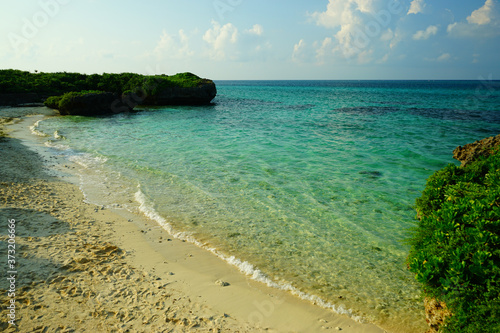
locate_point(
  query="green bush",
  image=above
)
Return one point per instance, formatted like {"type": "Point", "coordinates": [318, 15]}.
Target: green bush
{"type": "Point", "coordinates": [185, 80]}
{"type": "Point", "coordinates": [143, 88]}
{"type": "Point", "coordinates": [60, 102]}
{"type": "Point", "coordinates": [53, 102]}
{"type": "Point", "coordinates": [455, 248]}
{"type": "Point", "coordinates": [69, 97]}
{"type": "Point", "coordinates": [54, 84]}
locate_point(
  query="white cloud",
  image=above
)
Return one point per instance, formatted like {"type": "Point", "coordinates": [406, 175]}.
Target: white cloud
{"type": "Point", "coordinates": [318, 52]}
{"type": "Point", "coordinates": [482, 23]}
{"type": "Point", "coordinates": [451, 27]}
{"type": "Point", "coordinates": [297, 48]}
{"type": "Point", "coordinates": [253, 45]}
{"type": "Point", "coordinates": [398, 37]}
{"type": "Point", "coordinates": [225, 42]}
{"type": "Point", "coordinates": [357, 25]}
{"type": "Point", "coordinates": [302, 52]}
{"type": "Point", "coordinates": [425, 34]}
{"type": "Point", "coordinates": [257, 29]}
{"type": "Point", "coordinates": [483, 15]}
{"type": "Point", "coordinates": [339, 12]}
{"type": "Point", "coordinates": [463, 29]}
{"type": "Point", "coordinates": [221, 39]}
{"type": "Point", "coordinates": [325, 50]}
{"type": "Point", "coordinates": [444, 57]}
{"type": "Point", "coordinates": [365, 57]}
{"type": "Point", "coordinates": [364, 6]}
{"type": "Point", "coordinates": [387, 36]}
{"type": "Point", "coordinates": [416, 7]}
{"type": "Point", "coordinates": [174, 47]}
{"type": "Point", "coordinates": [383, 59]}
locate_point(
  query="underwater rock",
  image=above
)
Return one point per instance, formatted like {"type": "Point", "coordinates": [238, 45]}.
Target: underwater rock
{"type": "Point", "coordinates": [371, 174]}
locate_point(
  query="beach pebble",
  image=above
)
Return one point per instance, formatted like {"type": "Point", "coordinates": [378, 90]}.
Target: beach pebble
{"type": "Point", "coordinates": [221, 283]}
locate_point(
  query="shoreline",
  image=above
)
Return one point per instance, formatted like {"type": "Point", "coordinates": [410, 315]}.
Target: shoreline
{"type": "Point", "coordinates": [117, 265]}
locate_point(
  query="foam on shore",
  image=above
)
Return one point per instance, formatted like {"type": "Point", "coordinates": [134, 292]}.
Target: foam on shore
{"type": "Point", "coordinates": [35, 131]}
{"type": "Point", "coordinates": [244, 267]}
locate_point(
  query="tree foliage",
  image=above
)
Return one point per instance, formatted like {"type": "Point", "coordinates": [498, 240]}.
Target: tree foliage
{"type": "Point", "coordinates": [61, 102]}
{"type": "Point", "coordinates": [455, 248]}
{"type": "Point", "coordinates": [55, 84]}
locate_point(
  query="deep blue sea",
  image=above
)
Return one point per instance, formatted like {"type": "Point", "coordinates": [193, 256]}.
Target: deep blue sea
{"type": "Point", "coordinates": [307, 186]}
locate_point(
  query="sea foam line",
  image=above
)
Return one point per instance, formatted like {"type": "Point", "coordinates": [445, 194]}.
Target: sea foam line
{"type": "Point", "coordinates": [243, 266]}
{"type": "Point", "coordinates": [34, 129]}
{"type": "Point", "coordinates": [85, 161]}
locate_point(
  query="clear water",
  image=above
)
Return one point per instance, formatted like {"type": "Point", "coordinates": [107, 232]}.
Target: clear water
{"type": "Point", "coordinates": [311, 182]}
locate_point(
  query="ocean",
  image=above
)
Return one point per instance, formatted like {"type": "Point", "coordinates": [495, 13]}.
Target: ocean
{"type": "Point", "coordinates": [307, 186]}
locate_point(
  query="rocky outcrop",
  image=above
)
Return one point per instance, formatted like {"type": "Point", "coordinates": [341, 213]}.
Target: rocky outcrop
{"type": "Point", "coordinates": [100, 103]}
{"type": "Point", "coordinates": [435, 314]}
{"type": "Point", "coordinates": [199, 95]}
{"type": "Point", "coordinates": [472, 151]}
{"type": "Point", "coordinates": [159, 90]}
{"type": "Point", "coordinates": [92, 104]}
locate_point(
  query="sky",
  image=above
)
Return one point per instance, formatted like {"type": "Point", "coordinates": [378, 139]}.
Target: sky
{"type": "Point", "coordinates": [255, 39]}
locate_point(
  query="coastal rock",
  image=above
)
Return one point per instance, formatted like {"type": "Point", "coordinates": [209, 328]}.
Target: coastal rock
{"type": "Point", "coordinates": [472, 151]}
{"type": "Point", "coordinates": [435, 314]}
{"type": "Point", "coordinates": [32, 89]}
{"type": "Point", "coordinates": [202, 94]}
{"type": "Point", "coordinates": [222, 283]}
{"type": "Point", "coordinates": [93, 104]}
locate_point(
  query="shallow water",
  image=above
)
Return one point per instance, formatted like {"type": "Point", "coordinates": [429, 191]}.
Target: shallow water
{"type": "Point", "coordinates": [311, 183]}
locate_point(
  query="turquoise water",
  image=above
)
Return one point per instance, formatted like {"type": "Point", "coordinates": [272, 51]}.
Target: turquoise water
{"type": "Point", "coordinates": [310, 182]}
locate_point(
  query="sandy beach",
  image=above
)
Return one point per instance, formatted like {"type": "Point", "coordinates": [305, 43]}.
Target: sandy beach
{"type": "Point", "coordinates": [85, 268]}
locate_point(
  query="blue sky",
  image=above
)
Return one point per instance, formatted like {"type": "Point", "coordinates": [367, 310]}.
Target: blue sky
{"type": "Point", "coordinates": [256, 39]}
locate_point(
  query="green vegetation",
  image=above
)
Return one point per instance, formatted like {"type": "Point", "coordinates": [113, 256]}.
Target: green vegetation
{"type": "Point", "coordinates": [55, 84]}
{"type": "Point", "coordinates": [53, 101]}
{"type": "Point", "coordinates": [62, 102]}
{"type": "Point", "coordinates": [455, 249]}
{"type": "Point", "coordinates": [151, 85]}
